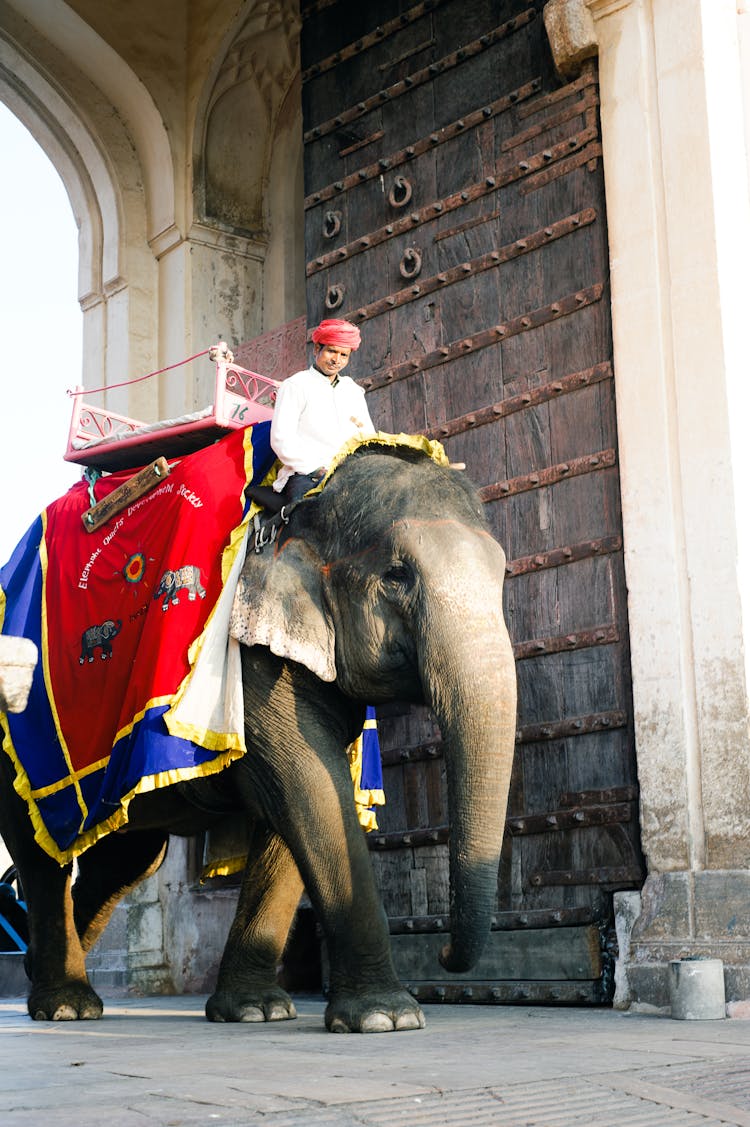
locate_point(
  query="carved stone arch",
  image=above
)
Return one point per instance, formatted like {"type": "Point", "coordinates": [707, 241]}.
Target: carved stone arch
{"type": "Point", "coordinates": [91, 115]}
{"type": "Point", "coordinates": [58, 130]}
{"type": "Point", "coordinates": [285, 297]}
{"type": "Point", "coordinates": [240, 113]}
{"type": "Point", "coordinates": [93, 195]}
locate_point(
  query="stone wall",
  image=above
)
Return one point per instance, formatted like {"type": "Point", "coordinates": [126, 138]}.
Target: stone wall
{"type": "Point", "coordinates": [675, 77]}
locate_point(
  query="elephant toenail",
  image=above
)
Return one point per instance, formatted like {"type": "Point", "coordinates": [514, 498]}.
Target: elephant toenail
{"type": "Point", "coordinates": [410, 1021]}
{"type": "Point", "coordinates": [251, 1014]}
{"type": "Point", "coordinates": [64, 1013]}
{"type": "Point", "coordinates": [377, 1023]}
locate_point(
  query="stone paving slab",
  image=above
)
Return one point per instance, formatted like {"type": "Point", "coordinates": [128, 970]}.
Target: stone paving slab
{"type": "Point", "coordinates": [156, 1062]}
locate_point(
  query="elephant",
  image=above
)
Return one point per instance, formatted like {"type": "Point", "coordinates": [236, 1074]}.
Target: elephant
{"type": "Point", "coordinates": [99, 636]}
{"type": "Point", "coordinates": [385, 585]}
{"type": "Point", "coordinates": [186, 578]}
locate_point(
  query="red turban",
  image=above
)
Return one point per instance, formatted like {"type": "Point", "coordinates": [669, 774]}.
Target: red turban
{"type": "Point", "coordinates": [342, 334]}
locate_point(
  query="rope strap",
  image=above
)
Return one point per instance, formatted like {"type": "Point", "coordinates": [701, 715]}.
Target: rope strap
{"type": "Point", "coordinates": [138, 379]}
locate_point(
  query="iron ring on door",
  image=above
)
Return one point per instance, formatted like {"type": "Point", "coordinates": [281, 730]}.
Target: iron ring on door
{"type": "Point", "coordinates": [331, 224]}
{"type": "Point", "coordinates": [411, 264]}
{"type": "Point", "coordinates": [334, 297]}
{"type": "Point", "coordinates": [400, 193]}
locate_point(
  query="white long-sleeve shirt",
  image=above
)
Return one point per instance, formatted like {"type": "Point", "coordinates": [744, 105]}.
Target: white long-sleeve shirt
{"type": "Point", "coordinates": [312, 420]}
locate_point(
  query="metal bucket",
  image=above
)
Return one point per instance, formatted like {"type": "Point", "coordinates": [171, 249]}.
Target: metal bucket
{"type": "Point", "coordinates": [696, 989]}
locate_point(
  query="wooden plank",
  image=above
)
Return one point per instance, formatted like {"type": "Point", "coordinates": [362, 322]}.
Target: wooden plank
{"type": "Point", "coordinates": [130, 490]}
{"type": "Point", "coordinates": [406, 155]}
{"type": "Point", "coordinates": [565, 954]}
{"type": "Point", "coordinates": [379, 35]}
{"type": "Point", "coordinates": [418, 78]}
{"type": "Point", "coordinates": [597, 992]}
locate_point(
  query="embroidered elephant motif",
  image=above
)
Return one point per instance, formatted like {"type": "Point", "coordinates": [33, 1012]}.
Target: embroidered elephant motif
{"type": "Point", "coordinates": [186, 578]}
{"type": "Point", "coordinates": [99, 637]}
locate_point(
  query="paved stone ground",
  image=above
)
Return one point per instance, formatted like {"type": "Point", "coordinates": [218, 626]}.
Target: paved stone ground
{"type": "Point", "coordinates": [155, 1062]}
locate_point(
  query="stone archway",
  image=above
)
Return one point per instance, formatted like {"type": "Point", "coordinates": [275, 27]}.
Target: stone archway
{"type": "Point", "coordinates": [180, 149]}
{"type": "Point", "coordinates": [48, 81]}
{"type": "Point", "coordinates": [247, 190]}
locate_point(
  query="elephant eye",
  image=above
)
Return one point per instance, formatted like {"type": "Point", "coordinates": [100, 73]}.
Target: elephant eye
{"type": "Point", "coordinates": [397, 573]}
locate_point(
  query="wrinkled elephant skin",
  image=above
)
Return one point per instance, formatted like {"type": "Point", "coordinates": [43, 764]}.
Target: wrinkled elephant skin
{"type": "Point", "coordinates": [386, 586]}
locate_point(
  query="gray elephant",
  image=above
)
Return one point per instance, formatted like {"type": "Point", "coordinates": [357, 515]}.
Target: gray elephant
{"type": "Point", "coordinates": [186, 578]}
{"type": "Point", "coordinates": [386, 586]}
{"type": "Point", "coordinates": [99, 637]}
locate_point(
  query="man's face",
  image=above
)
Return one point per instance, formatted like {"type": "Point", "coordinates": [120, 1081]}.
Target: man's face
{"type": "Point", "coordinates": [331, 359]}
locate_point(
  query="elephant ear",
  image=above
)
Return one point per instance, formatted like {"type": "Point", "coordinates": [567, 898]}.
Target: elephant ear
{"type": "Point", "coordinates": [279, 603]}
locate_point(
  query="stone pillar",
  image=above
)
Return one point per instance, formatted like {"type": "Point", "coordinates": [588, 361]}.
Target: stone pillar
{"type": "Point", "coordinates": [210, 288]}
{"type": "Point", "coordinates": [676, 181]}
{"type": "Point", "coordinates": [740, 393]}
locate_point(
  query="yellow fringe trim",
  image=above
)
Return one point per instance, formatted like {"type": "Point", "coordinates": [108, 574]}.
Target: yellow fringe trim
{"type": "Point", "coordinates": [363, 799]}
{"type": "Point", "coordinates": [226, 867]}
{"type": "Point", "coordinates": [116, 820]}
{"type": "Point", "coordinates": [420, 442]}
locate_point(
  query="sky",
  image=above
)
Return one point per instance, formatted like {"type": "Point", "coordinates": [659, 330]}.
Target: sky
{"type": "Point", "coordinates": [40, 331]}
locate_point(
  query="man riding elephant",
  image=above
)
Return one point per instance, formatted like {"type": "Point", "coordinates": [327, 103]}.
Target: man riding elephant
{"type": "Point", "coordinates": [317, 411]}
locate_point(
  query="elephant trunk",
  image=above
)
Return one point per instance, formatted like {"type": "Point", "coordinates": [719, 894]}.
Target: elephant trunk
{"type": "Point", "coordinates": [470, 683]}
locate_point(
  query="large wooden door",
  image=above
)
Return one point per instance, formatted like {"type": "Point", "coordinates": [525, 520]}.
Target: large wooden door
{"type": "Point", "coordinates": [455, 212]}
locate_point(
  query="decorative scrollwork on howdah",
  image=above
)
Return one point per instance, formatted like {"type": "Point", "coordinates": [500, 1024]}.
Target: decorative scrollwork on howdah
{"type": "Point", "coordinates": [249, 385]}
{"type": "Point", "coordinates": [96, 423]}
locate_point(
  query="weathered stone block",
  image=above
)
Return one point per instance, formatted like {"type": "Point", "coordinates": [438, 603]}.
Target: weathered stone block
{"type": "Point", "coordinates": [722, 904]}
{"type": "Point", "coordinates": [665, 908]}
{"type": "Point", "coordinates": [571, 33]}
{"type": "Point", "coordinates": [704, 914]}
{"type": "Point", "coordinates": [649, 986]}
{"type": "Point", "coordinates": [145, 931]}
{"type": "Point", "coordinates": [627, 906]}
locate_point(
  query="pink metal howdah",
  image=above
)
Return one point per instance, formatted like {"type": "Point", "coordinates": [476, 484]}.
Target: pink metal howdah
{"type": "Point", "coordinates": [109, 441]}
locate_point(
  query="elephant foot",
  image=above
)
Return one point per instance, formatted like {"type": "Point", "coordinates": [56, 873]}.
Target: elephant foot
{"type": "Point", "coordinates": [72, 1002]}
{"type": "Point", "coordinates": [268, 1004]}
{"type": "Point", "coordinates": [373, 1011]}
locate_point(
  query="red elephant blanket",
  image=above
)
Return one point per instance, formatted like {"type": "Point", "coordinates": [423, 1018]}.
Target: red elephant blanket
{"type": "Point", "coordinates": [119, 617]}
{"type": "Point", "coordinates": [134, 688]}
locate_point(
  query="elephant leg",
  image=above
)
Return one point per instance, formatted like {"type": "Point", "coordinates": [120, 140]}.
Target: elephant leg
{"type": "Point", "coordinates": [114, 866]}
{"type": "Point", "coordinates": [55, 962]}
{"type": "Point", "coordinates": [365, 994]}
{"type": "Point", "coordinates": [313, 809]}
{"type": "Point", "coordinates": [246, 989]}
